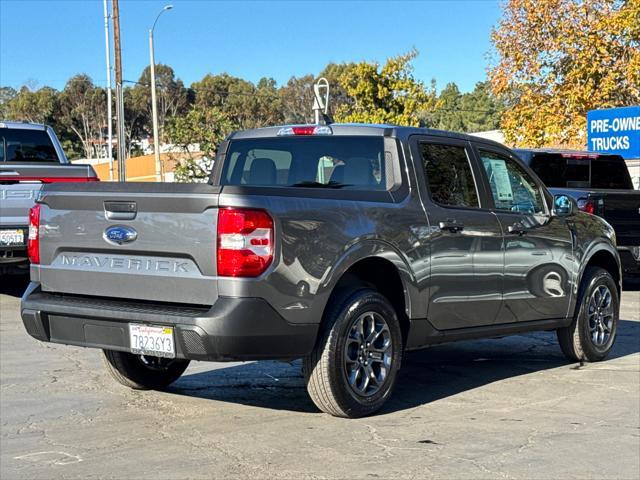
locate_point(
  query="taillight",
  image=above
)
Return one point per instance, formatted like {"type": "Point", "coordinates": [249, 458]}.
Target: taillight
{"type": "Point", "coordinates": [33, 241]}
{"type": "Point", "coordinates": [588, 206]}
{"type": "Point", "coordinates": [57, 179]}
{"type": "Point", "coordinates": [305, 130]}
{"type": "Point", "coordinates": [245, 242]}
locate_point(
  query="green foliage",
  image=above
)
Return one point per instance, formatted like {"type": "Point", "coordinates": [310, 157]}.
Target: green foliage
{"type": "Point", "coordinates": [245, 104]}
{"type": "Point", "coordinates": [214, 106]}
{"type": "Point", "coordinates": [200, 125]}
{"type": "Point", "coordinates": [171, 94]}
{"type": "Point", "coordinates": [82, 111]}
{"type": "Point", "coordinates": [474, 111]}
{"type": "Point", "coordinates": [384, 95]}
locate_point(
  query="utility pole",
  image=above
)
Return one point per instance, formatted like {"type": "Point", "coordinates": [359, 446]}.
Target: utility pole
{"type": "Point", "coordinates": [109, 100]}
{"type": "Point", "coordinates": [154, 105]}
{"type": "Point", "coordinates": [122, 174]}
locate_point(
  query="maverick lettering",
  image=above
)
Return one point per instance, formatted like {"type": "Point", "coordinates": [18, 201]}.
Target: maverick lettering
{"type": "Point", "coordinates": [123, 263]}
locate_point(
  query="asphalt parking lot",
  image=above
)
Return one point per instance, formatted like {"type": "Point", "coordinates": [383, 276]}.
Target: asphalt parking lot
{"type": "Point", "coordinates": [504, 408]}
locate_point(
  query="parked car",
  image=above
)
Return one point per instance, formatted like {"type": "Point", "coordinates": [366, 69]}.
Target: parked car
{"type": "Point", "coordinates": [344, 245]}
{"type": "Point", "coordinates": [601, 185]}
{"type": "Point", "coordinates": [30, 156]}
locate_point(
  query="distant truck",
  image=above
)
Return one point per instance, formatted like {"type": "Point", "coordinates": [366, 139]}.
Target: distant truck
{"type": "Point", "coordinates": [30, 156]}
{"type": "Point", "coordinates": [344, 245]}
{"type": "Point", "coordinates": [601, 185]}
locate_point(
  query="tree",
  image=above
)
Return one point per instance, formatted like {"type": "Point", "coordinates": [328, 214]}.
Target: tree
{"type": "Point", "coordinates": [446, 114]}
{"type": "Point", "coordinates": [480, 109]}
{"type": "Point", "coordinates": [206, 127]}
{"type": "Point", "coordinates": [245, 104]}
{"type": "Point", "coordinates": [83, 111]}
{"type": "Point", "coordinates": [171, 95]}
{"type": "Point", "coordinates": [7, 94]}
{"type": "Point", "coordinates": [557, 59]}
{"type": "Point", "coordinates": [384, 95]}
{"type": "Point", "coordinates": [296, 99]}
{"type": "Point", "coordinates": [36, 106]}
{"type": "Point", "coordinates": [137, 118]}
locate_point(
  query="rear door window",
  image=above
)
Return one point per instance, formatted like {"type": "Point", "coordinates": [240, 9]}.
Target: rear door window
{"type": "Point", "coordinates": [28, 146]}
{"type": "Point", "coordinates": [449, 176]}
{"type": "Point", "coordinates": [320, 162]}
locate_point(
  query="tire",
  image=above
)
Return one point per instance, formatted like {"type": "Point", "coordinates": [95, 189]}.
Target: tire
{"type": "Point", "coordinates": [341, 347]}
{"type": "Point", "coordinates": [143, 373]}
{"type": "Point", "coordinates": [591, 339]}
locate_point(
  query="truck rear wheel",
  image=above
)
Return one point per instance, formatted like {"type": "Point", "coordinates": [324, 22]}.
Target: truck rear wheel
{"type": "Point", "coordinates": [592, 333]}
{"type": "Point", "coordinates": [353, 368]}
{"type": "Point", "coordinates": [143, 372]}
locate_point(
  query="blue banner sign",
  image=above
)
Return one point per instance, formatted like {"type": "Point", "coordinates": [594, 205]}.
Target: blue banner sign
{"type": "Point", "coordinates": [614, 130]}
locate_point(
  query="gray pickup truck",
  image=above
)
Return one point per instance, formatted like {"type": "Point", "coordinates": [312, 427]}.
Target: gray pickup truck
{"type": "Point", "coordinates": [30, 156]}
{"type": "Point", "coordinates": [344, 245]}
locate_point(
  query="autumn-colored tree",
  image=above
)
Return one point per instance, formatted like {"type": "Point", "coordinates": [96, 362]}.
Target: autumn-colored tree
{"type": "Point", "coordinates": [389, 94]}
{"type": "Point", "coordinates": [558, 59]}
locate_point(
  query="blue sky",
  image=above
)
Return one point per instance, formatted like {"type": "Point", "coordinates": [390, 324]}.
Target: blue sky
{"type": "Point", "coordinates": [44, 42]}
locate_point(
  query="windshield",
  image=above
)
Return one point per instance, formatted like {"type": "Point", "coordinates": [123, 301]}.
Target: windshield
{"type": "Point", "coordinates": [306, 161]}
{"type": "Point", "coordinates": [22, 145]}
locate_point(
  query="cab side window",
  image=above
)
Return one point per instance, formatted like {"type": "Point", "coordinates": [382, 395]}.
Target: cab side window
{"type": "Point", "coordinates": [512, 187]}
{"type": "Point", "coordinates": [449, 176]}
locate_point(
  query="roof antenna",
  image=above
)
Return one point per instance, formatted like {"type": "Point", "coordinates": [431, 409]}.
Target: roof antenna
{"type": "Point", "coordinates": [321, 102]}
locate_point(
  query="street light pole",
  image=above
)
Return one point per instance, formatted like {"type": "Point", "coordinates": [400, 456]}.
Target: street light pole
{"type": "Point", "coordinates": [154, 107]}
{"type": "Point", "coordinates": [109, 101]}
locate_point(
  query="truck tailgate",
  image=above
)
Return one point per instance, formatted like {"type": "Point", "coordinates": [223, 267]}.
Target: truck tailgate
{"type": "Point", "coordinates": [20, 184]}
{"type": "Point", "coordinates": [622, 210]}
{"type": "Point", "coordinates": [168, 254]}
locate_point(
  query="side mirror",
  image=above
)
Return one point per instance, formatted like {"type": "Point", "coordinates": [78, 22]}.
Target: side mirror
{"type": "Point", "coordinates": [562, 205]}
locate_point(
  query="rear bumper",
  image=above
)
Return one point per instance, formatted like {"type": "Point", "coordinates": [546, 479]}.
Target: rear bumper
{"type": "Point", "coordinates": [232, 329]}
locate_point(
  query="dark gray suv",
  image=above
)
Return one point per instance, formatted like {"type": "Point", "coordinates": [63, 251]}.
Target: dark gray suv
{"type": "Point", "coordinates": [344, 245]}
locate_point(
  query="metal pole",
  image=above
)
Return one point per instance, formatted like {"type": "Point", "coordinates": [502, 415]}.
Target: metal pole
{"type": "Point", "coordinates": [122, 174]}
{"type": "Point", "coordinates": [154, 106]}
{"type": "Point", "coordinates": [154, 109]}
{"type": "Point", "coordinates": [109, 100]}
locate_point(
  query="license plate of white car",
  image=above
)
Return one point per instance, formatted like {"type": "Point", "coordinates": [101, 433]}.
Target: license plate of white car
{"type": "Point", "coordinates": [13, 237]}
{"type": "Point", "coordinates": [153, 340]}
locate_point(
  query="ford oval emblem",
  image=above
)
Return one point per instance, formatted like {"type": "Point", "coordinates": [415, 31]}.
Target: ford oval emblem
{"type": "Point", "coordinates": [120, 235]}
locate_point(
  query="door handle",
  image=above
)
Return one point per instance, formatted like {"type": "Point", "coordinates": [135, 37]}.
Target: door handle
{"type": "Point", "coordinates": [451, 225]}
{"type": "Point", "coordinates": [517, 228]}
{"type": "Point", "coordinates": [120, 210]}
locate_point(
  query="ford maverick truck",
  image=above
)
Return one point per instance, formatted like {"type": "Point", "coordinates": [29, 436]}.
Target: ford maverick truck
{"type": "Point", "coordinates": [30, 156]}
{"type": "Point", "coordinates": [343, 245]}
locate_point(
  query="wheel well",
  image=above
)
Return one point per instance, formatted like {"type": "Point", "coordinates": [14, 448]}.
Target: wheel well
{"type": "Point", "coordinates": [384, 277]}
{"type": "Point", "coordinates": [604, 259]}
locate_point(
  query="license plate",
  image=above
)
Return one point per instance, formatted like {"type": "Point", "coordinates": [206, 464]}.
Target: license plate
{"type": "Point", "coordinates": [10, 238]}
{"type": "Point", "coordinates": [152, 340]}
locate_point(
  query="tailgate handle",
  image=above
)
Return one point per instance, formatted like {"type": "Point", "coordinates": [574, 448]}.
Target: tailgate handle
{"type": "Point", "coordinates": [120, 210]}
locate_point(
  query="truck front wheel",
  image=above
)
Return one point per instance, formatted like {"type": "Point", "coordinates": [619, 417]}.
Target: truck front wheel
{"type": "Point", "coordinates": [143, 372]}
{"type": "Point", "coordinates": [591, 335]}
{"type": "Point", "coordinates": [353, 368]}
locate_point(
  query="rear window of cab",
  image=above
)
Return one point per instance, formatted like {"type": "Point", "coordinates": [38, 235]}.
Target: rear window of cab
{"type": "Point", "coordinates": [315, 162]}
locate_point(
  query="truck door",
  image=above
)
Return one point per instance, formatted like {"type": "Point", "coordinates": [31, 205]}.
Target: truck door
{"type": "Point", "coordinates": [465, 279]}
{"type": "Point", "coordinates": [538, 266]}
